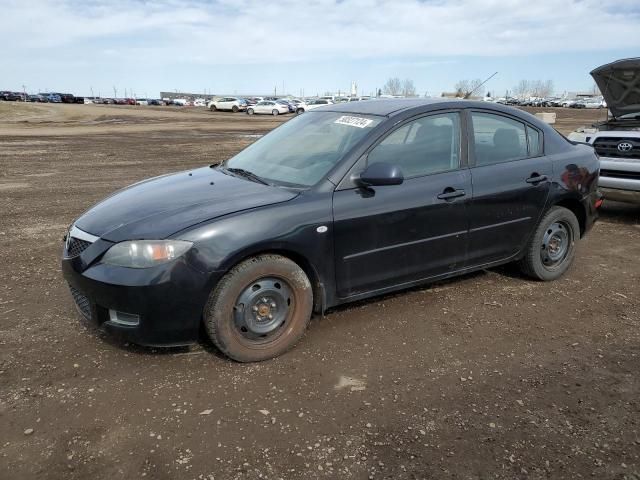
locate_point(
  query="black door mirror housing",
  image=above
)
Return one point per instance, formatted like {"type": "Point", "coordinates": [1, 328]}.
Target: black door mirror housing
{"type": "Point", "coordinates": [378, 174]}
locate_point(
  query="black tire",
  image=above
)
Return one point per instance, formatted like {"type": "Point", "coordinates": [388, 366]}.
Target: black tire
{"type": "Point", "coordinates": [299, 111]}
{"type": "Point", "coordinates": [213, 108]}
{"type": "Point", "coordinates": [249, 291]}
{"type": "Point", "coordinates": [552, 246]}
{"type": "Point", "coordinates": [275, 112]}
{"type": "Point", "coordinates": [235, 109]}
{"type": "Point", "coordinates": [250, 111]}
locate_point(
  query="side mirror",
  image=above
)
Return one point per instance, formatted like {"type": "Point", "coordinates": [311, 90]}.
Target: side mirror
{"type": "Point", "coordinates": [379, 174]}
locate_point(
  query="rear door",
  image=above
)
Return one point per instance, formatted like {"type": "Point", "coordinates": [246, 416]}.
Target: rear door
{"type": "Point", "coordinates": [395, 234]}
{"type": "Point", "coordinates": [511, 179]}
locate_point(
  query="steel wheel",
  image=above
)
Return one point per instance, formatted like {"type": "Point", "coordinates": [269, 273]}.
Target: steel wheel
{"type": "Point", "coordinates": [262, 309]}
{"type": "Point", "coordinates": [555, 244]}
{"type": "Point", "coordinates": [259, 309]}
{"type": "Point", "coordinates": [551, 248]}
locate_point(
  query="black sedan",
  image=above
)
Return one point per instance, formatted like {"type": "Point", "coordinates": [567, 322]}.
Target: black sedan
{"type": "Point", "coordinates": [339, 204]}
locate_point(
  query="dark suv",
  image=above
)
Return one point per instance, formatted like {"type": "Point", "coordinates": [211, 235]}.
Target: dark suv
{"type": "Point", "coordinates": [341, 203]}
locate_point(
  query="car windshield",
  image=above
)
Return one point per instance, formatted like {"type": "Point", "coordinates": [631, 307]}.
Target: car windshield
{"type": "Point", "coordinates": [303, 150]}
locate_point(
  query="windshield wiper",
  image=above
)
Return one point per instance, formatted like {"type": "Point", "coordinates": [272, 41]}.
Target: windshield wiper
{"type": "Point", "coordinates": [246, 174]}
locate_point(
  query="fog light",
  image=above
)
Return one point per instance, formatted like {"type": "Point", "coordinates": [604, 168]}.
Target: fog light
{"type": "Point", "coordinates": [123, 318]}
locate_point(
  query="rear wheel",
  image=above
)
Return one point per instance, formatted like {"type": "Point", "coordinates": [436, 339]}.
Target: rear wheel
{"type": "Point", "coordinates": [235, 109]}
{"type": "Point", "coordinates": [274, 112]}
{"type": "Point", "coordinates": [213, 108]}
{"type": "Point", "coordinates": [552, 247]}
{"type": "Point", "coordinates": [260, 308]}
{"type": "Point", "coordinates": [250, 111]}
{"type": "Point", "coordinates": [300, 110]}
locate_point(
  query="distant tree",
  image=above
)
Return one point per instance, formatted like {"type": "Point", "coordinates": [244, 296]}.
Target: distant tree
{"type": "Point", "coordinates": [533, 88]}
{"type": "Point", "coordinates": [408, 88]}
{"type": "Point", "coordinates": [393, 86]}
{"type": "Point", "coordinates": [522, 89]}
{"type": "Point", "coordinates": [468, 87]}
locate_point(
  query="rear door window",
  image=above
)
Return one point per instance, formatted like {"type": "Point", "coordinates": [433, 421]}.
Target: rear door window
{"type": "Point", "coordinates": [498, 139]}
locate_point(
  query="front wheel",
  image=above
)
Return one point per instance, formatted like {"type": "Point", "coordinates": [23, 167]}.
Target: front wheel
{"type": "Point", "coordinates": [213, 108]}
{"type": "Point", "coordinates": [250, 111]}
{"type": "Point", "coordinates": [275, 112]}
{"type": "Point", "coordinates": [235, 109]}
{"type": "Point", "coordinates": [552, 247]}
{"type": "Point", "coordinates": [260, 308]}
{"type": "Point", "coordinates": [300, 110]}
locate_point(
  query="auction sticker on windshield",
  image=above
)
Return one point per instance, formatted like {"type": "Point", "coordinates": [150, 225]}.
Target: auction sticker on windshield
{"type": "Point", "coordinates": [359, 122]}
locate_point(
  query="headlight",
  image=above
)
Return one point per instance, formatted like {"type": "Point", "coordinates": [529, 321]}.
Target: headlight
{"type": "Point", "coordinates": [145, 253]}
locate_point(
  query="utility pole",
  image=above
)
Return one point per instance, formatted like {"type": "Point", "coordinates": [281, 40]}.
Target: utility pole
{"type": "Point", "coordinates": [115, 92]}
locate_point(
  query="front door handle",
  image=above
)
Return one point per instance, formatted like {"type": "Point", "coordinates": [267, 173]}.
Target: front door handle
{"type": "Point", "coordinates": [450, 193]}
{"type": "Point", "coordinates": [535, 178]}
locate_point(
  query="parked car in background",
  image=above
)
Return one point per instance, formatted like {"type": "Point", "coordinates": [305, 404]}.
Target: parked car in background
{"type": "Point", "coordinates": [290, 106]}
{"type": "Point", "coordinates": [312, 104]}
{"type": "Point", "coordinates": [37, 98]}
{"type": "Point", "coordinates": [199, 102]}
{"type": "Point", "coordinates": [52, 97]}
{"type": "Point", "coordinates": [155, 101]}
{"type": "Point", "coordinates": [340, 204]}
{"type": "Point", "coordinates": [617, 139]}
{"type": "Point", "coordinates": [593, 103]}
{"type": "Point", "coordinates": [142, 101]}
{"type": "Point", "coordinates": [268, 107]}
{"type": "Point", "coordinates": [232, 104]}
{"type": "Point", "coordinates": [15, 97]}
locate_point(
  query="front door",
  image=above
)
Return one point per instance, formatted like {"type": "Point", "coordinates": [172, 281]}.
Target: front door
{"type": "Point", "coordinates": [392, 235]}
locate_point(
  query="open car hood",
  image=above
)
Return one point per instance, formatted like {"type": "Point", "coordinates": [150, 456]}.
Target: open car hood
{"type": "Point", "coordinates": [619, 83]}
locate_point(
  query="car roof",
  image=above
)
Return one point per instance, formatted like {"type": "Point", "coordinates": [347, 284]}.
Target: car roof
{"type": "Point", "coordinates": [394, 106]}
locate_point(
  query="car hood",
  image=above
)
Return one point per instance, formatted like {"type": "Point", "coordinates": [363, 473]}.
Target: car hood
{"type": "Point", "coordinates": [620, 86]}
{"type": "Point", "coordinates": [161, 206]}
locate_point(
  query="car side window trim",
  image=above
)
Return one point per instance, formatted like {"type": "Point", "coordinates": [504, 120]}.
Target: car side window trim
{"type": "Point", "coordinates": [347, 184]}
{"type": "Point", "coordinates": [540, 141]}
{"type": "Point", "coordinates": [471, 137]}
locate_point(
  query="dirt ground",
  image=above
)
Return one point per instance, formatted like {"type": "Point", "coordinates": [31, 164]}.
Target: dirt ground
{"type": "Point", "coordinates": [489, 376]}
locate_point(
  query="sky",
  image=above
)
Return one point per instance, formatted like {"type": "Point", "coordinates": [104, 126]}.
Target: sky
{"type": "Point", "coordinates": [307, 47]}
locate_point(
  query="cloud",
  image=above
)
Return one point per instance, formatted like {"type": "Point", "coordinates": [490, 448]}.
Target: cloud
{"type": "Point", "coordinates": [255, 32]}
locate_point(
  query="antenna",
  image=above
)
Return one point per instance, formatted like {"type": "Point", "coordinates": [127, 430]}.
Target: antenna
{"type": "Point", "coordinates": [468, 94]}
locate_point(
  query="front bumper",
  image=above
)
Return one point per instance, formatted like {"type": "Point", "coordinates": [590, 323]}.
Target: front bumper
{"type": "Point", "coordinates": [620, 179]}
{"type": "Point", "coordinates": [169, 299]}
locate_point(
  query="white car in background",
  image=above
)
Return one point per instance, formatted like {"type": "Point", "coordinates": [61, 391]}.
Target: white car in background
{"type": "Point", "coordinates": [310, 105]}
{"type": "Point", "coordinates": [268, 107]}
{"type": "Point", "coordinates": [233, 104]}
{"type": "Point", "coordinates": [199, 102]}
{"type": "Point", "coordinates": [594, 103]}
{"type": "Point", "coordinates": [142, 101]}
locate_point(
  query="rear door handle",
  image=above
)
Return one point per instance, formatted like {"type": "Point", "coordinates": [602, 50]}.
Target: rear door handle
{"type": "Point", "coordinates": [533, 179]}
{"type": "Point", "coordinates": [450, 193]}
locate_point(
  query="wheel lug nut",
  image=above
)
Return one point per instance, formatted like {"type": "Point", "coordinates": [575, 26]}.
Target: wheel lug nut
{"type": "Point", "coordinates": [255, 308]}
{"type": "Point", "coordinates": [270, 317]}
{"type": "Point", "coordinates": [273, 305]}
{"type": "Point", "coordinates": [264, 300]}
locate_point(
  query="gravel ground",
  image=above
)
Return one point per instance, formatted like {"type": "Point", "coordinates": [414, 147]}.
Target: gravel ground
{"type": "Point", "coordinates": [488, 376]}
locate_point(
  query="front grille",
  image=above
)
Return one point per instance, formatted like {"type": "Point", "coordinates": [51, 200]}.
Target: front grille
{"type": "Point", "coordinates": [608, 147]}
{"type": "Point", "coordinates": [82, 302]}
{"type": "Point", "coordinates": [76, 246]}
{"type": "Point", "coordinates": [620, 174]}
